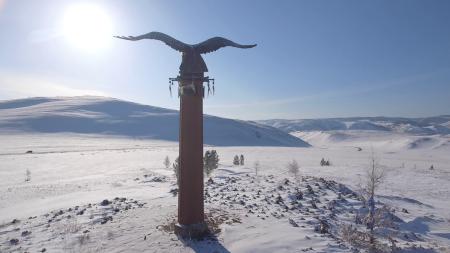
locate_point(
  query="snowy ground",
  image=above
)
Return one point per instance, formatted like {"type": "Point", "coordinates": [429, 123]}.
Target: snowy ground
{"type": "Point", "coordinates": [60, 208]}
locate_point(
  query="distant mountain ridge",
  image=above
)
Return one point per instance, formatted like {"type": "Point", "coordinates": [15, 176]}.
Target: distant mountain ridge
{"type": "Point", "coordinates": [420, 126]}
{"type": "Point", "coordinates": [102, 115]}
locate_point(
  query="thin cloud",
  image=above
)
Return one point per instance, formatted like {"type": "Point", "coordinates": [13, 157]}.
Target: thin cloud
{"type": "Point", "coordinates": [335, 93]}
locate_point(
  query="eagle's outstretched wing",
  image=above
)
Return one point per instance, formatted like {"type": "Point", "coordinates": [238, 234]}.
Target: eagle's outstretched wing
{"type": "Point", "coordinates": [168, 40]}
{"type": "Point", "coordinates": [215, 43]}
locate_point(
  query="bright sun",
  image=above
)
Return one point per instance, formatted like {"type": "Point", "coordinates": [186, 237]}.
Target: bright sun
{"type": "Point", "coordinates": [87, 26]}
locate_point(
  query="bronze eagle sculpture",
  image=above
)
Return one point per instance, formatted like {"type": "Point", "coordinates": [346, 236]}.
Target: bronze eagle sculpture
{"type": "Point", "coordinates": [192, 61]}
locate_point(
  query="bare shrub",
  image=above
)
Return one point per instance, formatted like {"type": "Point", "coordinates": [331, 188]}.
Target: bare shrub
{"type": "Point", "coordinates": [27, 175]}
{"type": "Point", "coordinates": [71, 227]}
{"type": "Point", "coordinates": [110, 235]}
{"type": "Point", "coordinates": [293, 168]}
{"type": "Point", "coordinates": [83, 238]}
{"type": "Point", "coordinates": [357, 238]}
{"type": "Point", "coordinates": [176, 168]}
{"type": "Point", "coordinates": [166, 162]}
{"type": "Point", "coordinates": [350, 234]}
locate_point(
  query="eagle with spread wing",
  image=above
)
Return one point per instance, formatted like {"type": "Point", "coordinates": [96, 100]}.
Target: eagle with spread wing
{"type": "Point", "coordinates": [192, 61]}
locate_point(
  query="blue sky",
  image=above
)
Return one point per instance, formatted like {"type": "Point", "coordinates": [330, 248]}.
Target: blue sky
{"type": "Point", "coordinates": [313, 59]}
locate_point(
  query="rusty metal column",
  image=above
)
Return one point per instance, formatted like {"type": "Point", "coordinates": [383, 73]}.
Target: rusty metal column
{"type": "Point", "coordinates": [190, 198]}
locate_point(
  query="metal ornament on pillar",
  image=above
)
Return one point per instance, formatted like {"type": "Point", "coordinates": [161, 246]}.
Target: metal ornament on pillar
{"type": "Point", "coordinates": [191, 92]}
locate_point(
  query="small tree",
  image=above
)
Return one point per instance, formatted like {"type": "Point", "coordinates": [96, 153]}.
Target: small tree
{"type": "Point", "coordinates": [167, 162]}
{"type": "Point", "coordinates": [241, 160]}
{"type": "Point", "coordinates": [213, 159]}
{"type": "Point", "coordinates": [210, 162]}
{"type": "Point", "coordinates": [293, 168]}
{"type": "Point", "coordinates": [374, 177]}
{"type": "Point", "coordinates": [176, 169]}
{"type": "Point", "coordinates": [256, 166]}
{"type": "Point", "coordinates": [322, 162]}
{"type": "Point", "coordinates": [27, 175]}
{"type": "Point", "coordinates": [236, 160]}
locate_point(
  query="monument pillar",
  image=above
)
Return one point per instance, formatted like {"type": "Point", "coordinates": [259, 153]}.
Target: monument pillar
{"type": "Point", "coordinates": [191, 218]}
{"type": "Point", "coordinates": [190, 194]}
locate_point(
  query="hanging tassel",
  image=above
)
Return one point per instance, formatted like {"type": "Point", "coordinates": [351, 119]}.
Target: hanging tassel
{"type": "Point", "coordinates": [209, 89]}
{"type": "Point", "coordinates": [213, 89]}
{"type": "Point", "coordinates": [170, 89]}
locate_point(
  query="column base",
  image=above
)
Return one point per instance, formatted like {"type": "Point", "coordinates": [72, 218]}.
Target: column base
{"type": "Point", "coordinates": [197, 230]}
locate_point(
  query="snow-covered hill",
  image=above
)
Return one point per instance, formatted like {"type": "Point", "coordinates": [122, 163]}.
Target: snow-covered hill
{"type": "Point", "coordinates": [100, 115]}
{"type": "Point", "coordinates": [378, 140]}
{"type": "Point", "coordinates": [420, 126]}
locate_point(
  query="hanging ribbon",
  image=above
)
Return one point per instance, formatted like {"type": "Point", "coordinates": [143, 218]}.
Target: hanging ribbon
{"type": "Point", "coordinates": [209, 89]}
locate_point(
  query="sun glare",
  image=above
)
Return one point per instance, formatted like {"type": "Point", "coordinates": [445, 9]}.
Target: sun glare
{"type": "Point", "coordinates": [87, 26]}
